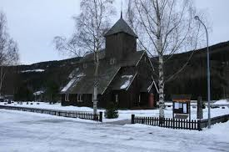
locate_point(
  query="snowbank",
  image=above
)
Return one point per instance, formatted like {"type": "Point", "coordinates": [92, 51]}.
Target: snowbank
{"type": "Point", "coordinates": [221, 102]}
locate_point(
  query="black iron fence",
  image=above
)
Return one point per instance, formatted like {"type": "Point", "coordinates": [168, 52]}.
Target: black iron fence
{"type": "Point", "coordinates": [178, 123]}
{"type": "Point", "coordinates": [70, 114]}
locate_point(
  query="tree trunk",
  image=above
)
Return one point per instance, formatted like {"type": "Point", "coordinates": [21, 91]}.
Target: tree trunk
{"type": "Point", "coordinates": [161, 61]}
{"type": "Point", "coordinates": [161, 87]}
{"type": "Point", "coordinates": [95, 92]}
{"type": "Point", "coordinates": [2, 77]}
{"type": "Point", "coordinates": [160, 73]}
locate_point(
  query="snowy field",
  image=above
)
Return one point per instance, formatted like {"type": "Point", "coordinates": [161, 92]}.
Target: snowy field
{"type": "Point", "coordinates": [30, 132]}
{"type": "Point", "coordinates": [126, 114]}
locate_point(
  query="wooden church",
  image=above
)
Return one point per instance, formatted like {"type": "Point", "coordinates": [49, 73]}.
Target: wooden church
{"type": "Point", "coordinates": [124, 74]}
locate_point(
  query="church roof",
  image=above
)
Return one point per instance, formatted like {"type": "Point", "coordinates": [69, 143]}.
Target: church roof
{"type": "Point", "coordinates": [124, 79]}
{"type": "Point", "coordinates": [90, 56]}
{"type": "Point", "coordinates": [83, 80]}
{"type": "Point", "coordinates": [119, 27]}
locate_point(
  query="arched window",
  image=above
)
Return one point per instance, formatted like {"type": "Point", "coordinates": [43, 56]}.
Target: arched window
{"type": "Point", "coordinates": [79, 98]}
{"type": "Point", "coordinates": [66, 97]}
{"type": "Point", "coordinates": [112, 61]}
{"type": "Point", "coordinates": [116, 98]}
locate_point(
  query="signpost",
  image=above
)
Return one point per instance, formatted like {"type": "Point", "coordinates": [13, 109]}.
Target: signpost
{"type": "Point", "coordinates": [181, 106]}
{"type": "Point", "coordinates": [199, 108]}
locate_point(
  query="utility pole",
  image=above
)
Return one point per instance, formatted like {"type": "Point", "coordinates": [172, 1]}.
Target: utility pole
{"type": "Point", "coordinates": [208, 72]}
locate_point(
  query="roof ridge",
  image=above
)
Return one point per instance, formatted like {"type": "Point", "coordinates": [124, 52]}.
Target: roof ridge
{"type": "Point", "coordinates": [121, 26]}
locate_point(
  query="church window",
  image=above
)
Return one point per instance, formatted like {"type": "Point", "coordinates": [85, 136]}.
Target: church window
{"type": "Point", "coordinates": [145, 59]}
{"type": "Point", "coordinates": [79, 98]}
{"type": "Point", "coordinates": [66, 97]}
{"type": "Point", "coordinates": [116, 98]}
{"type": "Point", "coordinates": [112, 61]}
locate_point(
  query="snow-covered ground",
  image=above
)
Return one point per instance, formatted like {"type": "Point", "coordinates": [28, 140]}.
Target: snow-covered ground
{"type": "Point", "coordinates": [34, 70]}
{"type": "Point", "coordinates": [126, 114]}
{"type": "Point", "coordinates": [221, 102]}
{"type": "Point", "coordinates": [30, 132]}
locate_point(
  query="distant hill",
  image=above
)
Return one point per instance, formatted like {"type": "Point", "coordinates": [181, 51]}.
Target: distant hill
{"type": "Point", "coordinates": [192, 79]}
{"type": "Point", "coordinates": [23, 80]}
{"type": "Point", "coordinates": [28, 79]}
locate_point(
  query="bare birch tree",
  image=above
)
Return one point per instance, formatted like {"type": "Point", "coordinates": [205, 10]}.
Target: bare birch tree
{"type": "Point", "coordinates": [164, 27]}
{"type": "Point", "coordinates": [91, 25]}
{"type": "Point", "coordinates": [8, 50]}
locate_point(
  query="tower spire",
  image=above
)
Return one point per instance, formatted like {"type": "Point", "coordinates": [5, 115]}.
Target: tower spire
{"type": "Point", "coordinates": [121, 9]}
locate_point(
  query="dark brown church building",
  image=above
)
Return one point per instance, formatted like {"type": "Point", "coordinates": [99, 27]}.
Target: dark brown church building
{"type": "Point", "coordinates": [124, 74]}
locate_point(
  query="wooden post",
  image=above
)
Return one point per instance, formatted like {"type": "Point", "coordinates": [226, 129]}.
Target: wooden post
{"type": "Point", "coordinates": [161, 121]}
{"type": "Point", "coordinates": [132, 118]}
{"type": "Point", "coordinates": [199, 108]}
{"type": "Point", "coordinates": [173, 109]}
{"type": "Point", "coordinates": [189, 110]}
{"type": "Point", "coordinates": [198, 125]}
{"type": "Point", "coordinates": [101, 116]}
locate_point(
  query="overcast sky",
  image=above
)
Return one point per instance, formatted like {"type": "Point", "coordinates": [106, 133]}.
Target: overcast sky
{"type": "Point", "coordinates": [34, 24]}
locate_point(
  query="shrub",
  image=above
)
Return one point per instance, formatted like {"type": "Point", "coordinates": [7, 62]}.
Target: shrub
{"type": "Point", "coordinates": [111, 111]}
{"type": "Point", "coordinates": [204, 105]}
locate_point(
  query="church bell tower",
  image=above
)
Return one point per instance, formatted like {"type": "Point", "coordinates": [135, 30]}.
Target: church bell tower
{"type": "Point", "coordinates": [120, 40]}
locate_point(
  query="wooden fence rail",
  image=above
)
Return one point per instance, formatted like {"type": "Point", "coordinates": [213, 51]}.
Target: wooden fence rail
{"type": "Point", "coordinates": [214, 120]}
{"type": "Point", "coordinates": [178, 123]}
{"type": "Point", "coordinates": [70, 114]}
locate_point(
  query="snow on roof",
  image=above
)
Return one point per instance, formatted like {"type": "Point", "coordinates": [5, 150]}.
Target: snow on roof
{"type": "Point", "coordinates": [127, 76]}
{"type": "Point", "coordinates": [34, 70]}
{"type": "Point", "coordinates": [74, 81]}
{"type": "Point", "coordinates": [38, 93]}
{"type": "Point", "coordinates": [71, 75]}
{"type": "Point", "coordinates": [68, 85]}
{"type": "Point", "coordinates": [81, 75]}
{"type": "Point", "coordinates": [127, 81]}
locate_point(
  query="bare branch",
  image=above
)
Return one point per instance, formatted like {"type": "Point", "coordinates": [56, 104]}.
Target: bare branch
{"type": "Point", "coordinates": [8, 50]}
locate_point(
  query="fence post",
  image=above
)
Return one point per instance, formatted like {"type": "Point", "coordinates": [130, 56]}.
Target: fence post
{"type": "Point", "coordinates": [132, 118]}
{"type": "Point", "coordinates": [101, 116]}
{"type": "Point", "coordinates": [198, 125]}
{"type": "Point", "coordinates": [161, 121]}
{"type": "Point", "coordinates": [95, 116]}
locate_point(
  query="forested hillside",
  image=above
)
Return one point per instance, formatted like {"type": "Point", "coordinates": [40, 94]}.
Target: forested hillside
{"type": "Point", "coordinates": [23, 80]}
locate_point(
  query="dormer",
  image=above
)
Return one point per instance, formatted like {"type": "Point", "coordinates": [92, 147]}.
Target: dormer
{"type": "Point", "coordinates": [120, 40]}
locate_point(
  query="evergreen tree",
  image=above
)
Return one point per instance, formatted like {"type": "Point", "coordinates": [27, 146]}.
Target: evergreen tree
{"type": "Point", "coordinates": [111, 111]}
{"type": "Point", "coordinates": [52, 91]}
